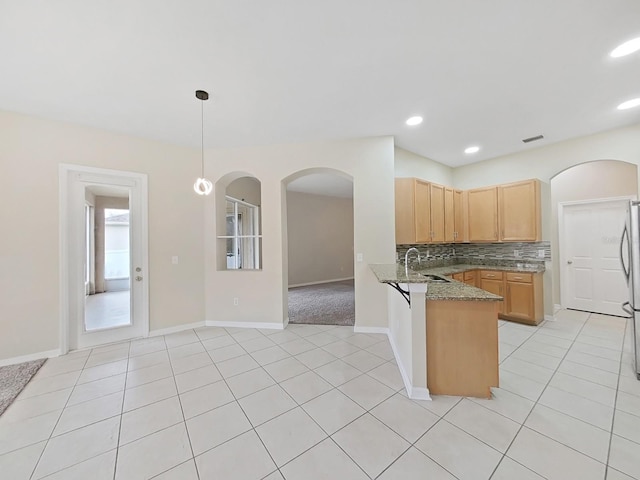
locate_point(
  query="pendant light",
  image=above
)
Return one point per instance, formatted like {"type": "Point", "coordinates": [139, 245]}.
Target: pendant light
{"type": "Point", "coordinates": [202, 185]}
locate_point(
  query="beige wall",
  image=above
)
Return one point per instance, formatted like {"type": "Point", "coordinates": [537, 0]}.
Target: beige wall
{"type": "Point", "coordinates": [30, 151]}
{"type": "Point", "coordinates": [246, 189]}
{"type": "Point", "coordinates": [408, 164]}
{"type": "Point", "coordinates": [588, 181]}
{"type": "Point", "coordinates": [262, 294]}
{"type": "Point", "coordinates": [320, 238]}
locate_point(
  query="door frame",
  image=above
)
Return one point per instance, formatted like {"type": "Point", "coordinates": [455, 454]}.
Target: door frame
{"type": "Point", "coordinates": [67, 264]}
{"type": "Point", "coordinates": [562, 253]}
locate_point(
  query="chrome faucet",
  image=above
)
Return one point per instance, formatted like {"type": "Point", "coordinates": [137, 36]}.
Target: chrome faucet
{"type": "Point", "coordinates": [406, 259]}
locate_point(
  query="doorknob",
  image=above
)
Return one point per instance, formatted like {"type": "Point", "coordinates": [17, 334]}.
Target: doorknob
{"type": "Point", "coordinates": [569, 262]}
{"type": "Point", "coordinates": [138, 278]}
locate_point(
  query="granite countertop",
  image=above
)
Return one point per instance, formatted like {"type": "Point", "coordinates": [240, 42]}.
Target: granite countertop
{"type": "Point", "coordinates": [452, 290]}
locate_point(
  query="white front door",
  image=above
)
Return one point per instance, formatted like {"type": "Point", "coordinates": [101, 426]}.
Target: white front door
{"type": "Point", "coordinates": [78, 330]}
{"type": "Point", "coordinates": [590, 269]}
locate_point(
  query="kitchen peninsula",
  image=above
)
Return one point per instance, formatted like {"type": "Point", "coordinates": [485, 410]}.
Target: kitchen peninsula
{"type": "Point", "coordinates": [444, 333]}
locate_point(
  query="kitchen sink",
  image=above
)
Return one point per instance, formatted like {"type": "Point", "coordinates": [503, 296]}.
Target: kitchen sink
{"type": "Point", "coordinates": [436, 278]}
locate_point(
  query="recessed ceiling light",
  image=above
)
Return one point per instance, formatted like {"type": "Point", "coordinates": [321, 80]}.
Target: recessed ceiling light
{"type": "Point", "coordinates": [627, 48]}
{"type": "Point", "coordinates": [473, 149]}
{"type": "Point", "coordinates": [629, 104]}
{"type": "Point", "coordinates": [414, 121]}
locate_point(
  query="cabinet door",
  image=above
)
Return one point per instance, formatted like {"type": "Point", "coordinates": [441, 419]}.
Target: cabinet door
{"type": "Point", "coordinates": [520, 211]}
{"type": "Point", "coordinates": [422, 211]}
{"type": "Point", "coordinates": [405, 211]}
{"type": "Point", "coordinates": [458, 216]}
{"type": "Point", "coordinates": [459, 277]}
{"type": "Point", "coordinates": [470, 278]}
{"type": "Point", "coordinates": [449, 215]}
{"type": "Point", "coordinates": [483, 214]}
{"type": "Point", "coordinates": [520, 301]}
{"type": "Point", "coordinates": [437, 213]}
{"type": "Point", "coordinates": [496, 287]}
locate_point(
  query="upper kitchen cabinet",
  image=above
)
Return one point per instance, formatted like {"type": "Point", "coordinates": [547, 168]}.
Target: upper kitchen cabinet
{"type": "Point", "coordinates": [413, 215]}
{"type": "Point", "coordinates": [520, 211]}
{"type": "Point", "coordinates": [505, 213]}
{"type": "Point", "coordinates": [483, 214]}
{"type": "Point", "coordinates": [438, 214]}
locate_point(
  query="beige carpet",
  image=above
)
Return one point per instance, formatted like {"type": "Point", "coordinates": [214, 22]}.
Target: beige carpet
{"type": "Point", "coordinates": [13, 378]}
{"type": "Point", "coordinates": [323, 304]}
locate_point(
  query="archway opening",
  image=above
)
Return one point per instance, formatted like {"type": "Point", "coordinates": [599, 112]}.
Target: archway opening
{"type": "Point", "coordinates": [319, 248]}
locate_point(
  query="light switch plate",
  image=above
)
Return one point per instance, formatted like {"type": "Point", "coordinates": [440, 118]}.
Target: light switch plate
{"type": "Point", "coordinates": [174, 260]}
{"type": "Point", "coordinates": [359, 257]}
{"type": "Point", "coordinates": [541, 253]}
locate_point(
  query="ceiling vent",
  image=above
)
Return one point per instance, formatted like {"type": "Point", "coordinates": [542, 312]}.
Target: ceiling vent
{"type": "Point", "coordinates": [533, 139]}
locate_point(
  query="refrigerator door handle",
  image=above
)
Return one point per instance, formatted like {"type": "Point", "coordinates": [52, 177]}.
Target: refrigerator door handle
{"type": "Point", "coordinates": [625, 234]}
{"type": "Point", "coordinates": [626, 306]}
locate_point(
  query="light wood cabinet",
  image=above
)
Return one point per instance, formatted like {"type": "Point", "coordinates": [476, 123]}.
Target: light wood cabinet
{"type": "Point", "coordinates": [493, 281]}
{"type": "Point", "coordinates": [413, 216]}
{"type": "Point", "coordinates": [483, 214]}
{"type": "Point", "coordinates": [458, 276]}
{"type": "Point", "coordinates": [458, 216]}
{"type": "Point", "coordinates": [523, 298]}
{"type": "Point", "coordinates": [437, 209]}
{"type": "Point", "coordinates": [519, 207]}
{"type": "Point", "coordinates": [449, 215]}
{"type": "Point", "coordinates": [470, 277]}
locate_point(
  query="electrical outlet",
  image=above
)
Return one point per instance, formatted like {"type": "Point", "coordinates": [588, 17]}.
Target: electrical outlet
{"type": "Point", "coordinates": [174, 260]}
{"type": "Point", "coordinates": [516, 253]}
{"type": "Point", "coordinates": [359, 257]}
{"type": "Point", "coordinates": [541, 253]}
{"type": "Point", "coordinates": [235, 301]}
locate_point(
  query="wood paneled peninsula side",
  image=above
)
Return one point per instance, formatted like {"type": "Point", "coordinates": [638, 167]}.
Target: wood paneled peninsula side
{"type": "Point", "coordinates": [444, 333]}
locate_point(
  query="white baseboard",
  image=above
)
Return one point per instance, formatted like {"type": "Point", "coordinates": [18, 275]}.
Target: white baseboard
{"type": "Point", "coordinates": [176, 329]}
{"type": "Point", "coordinates": [320, 283]}
{"type": "Point", "coordinates": [28, 358]}
{"type": "Point", "coordinates": [383, 330]}
{"type": "Point", "coordinates": [415, 393]}
{"type": "Point", "coordinates": [550, 318]}
{"type": "Point", "coordinates": [556, 307]}
{"type": "Point", "coordinates": [286, 323]}
{"type": "Point", "coordinates": [267, 326]}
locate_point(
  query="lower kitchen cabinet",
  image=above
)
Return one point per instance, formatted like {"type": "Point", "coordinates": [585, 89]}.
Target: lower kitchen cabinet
{"type": "Point", "coordinates": [523, 298]}
{"type": "Point", "coordinates": [493, 281]}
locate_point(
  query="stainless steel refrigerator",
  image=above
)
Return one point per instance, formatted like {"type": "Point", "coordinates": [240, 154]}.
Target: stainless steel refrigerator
{"type": "Point", "coordinates": [630, 258]}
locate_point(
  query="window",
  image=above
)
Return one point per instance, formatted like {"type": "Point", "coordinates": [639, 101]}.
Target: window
{"type": "Point", "coordinates": [242, 235]}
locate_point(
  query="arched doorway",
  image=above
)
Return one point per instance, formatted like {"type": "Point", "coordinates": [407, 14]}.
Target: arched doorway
{"type": "Point", "coordinates": [588, 209]}
{"type": "Point", "coordinates": [319, 259]}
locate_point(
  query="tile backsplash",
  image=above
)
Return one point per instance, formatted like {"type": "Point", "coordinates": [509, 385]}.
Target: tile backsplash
{"type": "Point", "coordinates": [444, 254]}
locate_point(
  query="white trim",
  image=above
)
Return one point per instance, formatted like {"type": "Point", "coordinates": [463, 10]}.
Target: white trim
{"type": "Point", "coordinates": [261, 325]}
{"type": "Point", "coordinates": [30, 357]}
{"type": "Point", "coordinates": [556, 308]}
{"type": "Point", "coordinates": [550, 318]}
{"type": "Point", "coordinates": [562, 276]}
{"type": "Point", "coordinates": [321, 282]}
{"type": "Point", "coordinates": [415, 393]}
{"type": "Point", "coordinates": [141, 181]}
{"type": "Point", "coordinates": [286, 323]}
{"type": "Point", "coordinates": [383, 330]}
{"type": "Point", "coordinates": [176, 329]}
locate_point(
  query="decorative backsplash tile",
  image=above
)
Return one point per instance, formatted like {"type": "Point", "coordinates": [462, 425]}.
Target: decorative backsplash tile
{"type": "Point", "coordinates": [477, 253]}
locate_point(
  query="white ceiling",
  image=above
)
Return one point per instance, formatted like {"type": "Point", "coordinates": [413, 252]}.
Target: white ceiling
{"type": "Point", "coordinates": [488, 72]}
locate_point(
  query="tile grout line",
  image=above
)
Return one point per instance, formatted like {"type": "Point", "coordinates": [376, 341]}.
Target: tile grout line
{"type": "Point", "coordinates": [124, 394]}
{"type": "Point", "coordinates": [60, 416]}
{"type": "Point", "coordinates": [522, 425]}
{"type": "Point", "coordinates": [615, 401]}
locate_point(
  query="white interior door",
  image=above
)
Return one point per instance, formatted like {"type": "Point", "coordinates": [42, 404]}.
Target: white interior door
{"type": "Point", "coordinates": [77, 181]}
{"type": "Point", "coordinates": [590, 270]}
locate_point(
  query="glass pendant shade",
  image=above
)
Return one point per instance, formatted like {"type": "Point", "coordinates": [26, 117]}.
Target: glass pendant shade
{"type": "Point", "coordinates": [203, 186]}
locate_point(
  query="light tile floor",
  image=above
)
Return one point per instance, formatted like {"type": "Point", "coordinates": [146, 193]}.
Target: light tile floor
{"type": "Point", "coordinates": [320, 402]}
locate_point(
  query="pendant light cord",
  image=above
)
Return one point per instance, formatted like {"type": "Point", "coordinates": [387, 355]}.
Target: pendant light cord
{"type": "Point", "coordinates": [202, 136]}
